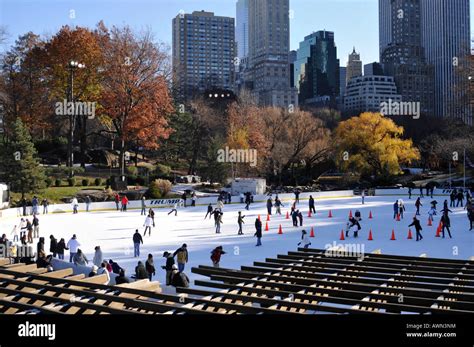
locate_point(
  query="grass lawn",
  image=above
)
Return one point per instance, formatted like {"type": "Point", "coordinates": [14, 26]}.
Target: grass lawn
{"type": "Point", "coordinates": [54, 194]}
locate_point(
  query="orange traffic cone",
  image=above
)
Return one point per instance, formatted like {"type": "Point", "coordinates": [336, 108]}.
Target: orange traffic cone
{"type": "Point", "coordinates": [410, 236]}
{"type": "Point", "coordinates": [309, 214]}
{"type": "Point", "coordinates": [280, 230]}
{"type": "Point", "coordinates": [268, 217]}
{"type": "Point", "coordinates": [438, 230]}
{"type": "Point", "coordinates": [342, 236]}
{"type": "Point", "coordinates": [330, 214]}
{"type": "Point", "coordinates": [429, 222]}
{"type": "Point", "coordinates": [311, 234]}
{"type": "Point", "coordinates": [287, 215]}
{"type": "Point", "coordinates": [350, 214]}
{"type": "Point", "coordinates": [370, 215]}
{"type": "Point", "coordinates": [259, 218]}
{"type": "Point", "coordinates": [266, 226]}
{"type": "Point", "coordinates": [370, 235]}
{"type": "Point", "coordinates": [398, 217]}
{"type": "Point", "coordinates": [393, 236]}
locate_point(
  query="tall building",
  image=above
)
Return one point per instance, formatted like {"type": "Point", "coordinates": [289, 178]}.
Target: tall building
{"type": "Point", "coordinates": [367, 93]}
{"type": "Point", "coordinates": [342, 80]}
{"type": "Point", "coordinates": [317, 69]}
{"type": "Point", "coordinates": [373, 69]}
{"type": "Point", "coordinates": [268, 71]}
{"type": "Point", "coordinates": [242, 28]}
{"type": "Point", "coordinates": [203, 53]}
{"type": "Point", "coordinates": [354, 66]}
{"type": "Point", "coordinates": [402, 54]}
{"type": "Point", "coordinates": [446, 39]}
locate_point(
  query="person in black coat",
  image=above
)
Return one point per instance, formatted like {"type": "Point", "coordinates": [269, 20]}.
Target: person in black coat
{"type": "Point", "coordinates": [40, 246]}
{"type": "Point", "coordinates": [269, 206]}
{"type": "Point", "coordinates": [311, 204]}
{"type": "Point", "coordinates": [418, 228]}
{"type": "Point", "coordinates": [446, 224]}
{"type": "Point", "coordinates": [258, 232]}
{"type": "Point", "coordinates": [53, 245]}
{"type": "Point", "coordinates": [140, 272]}
{"type": "Point", "coordinates": [168, 266]}
{"type": "Point", "coordinates": [150, 266]}
{"type": "Point", "coordinates": [121, 278]}
{"type": "Point", "coordinates": [115, 267]}
{"type": "Point", "coordinates": [209, 211]}
{"type": "Point", "coordinates": [300, 217]}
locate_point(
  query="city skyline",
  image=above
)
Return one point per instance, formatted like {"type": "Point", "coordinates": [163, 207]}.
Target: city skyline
{"type": "Point", "coordinates": [340, 16]}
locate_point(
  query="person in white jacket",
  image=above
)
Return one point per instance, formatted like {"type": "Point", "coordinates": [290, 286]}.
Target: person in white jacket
{"type": "Point", "coordinates": [304, 239]}
{"type": "Point", "coordinates": [14, 233]}
{"type": "Point", "coordinates": [98, 257]}
{"type": "Point", "coordinates": [73, 246]}
{"type": "Point", "coordinates": [103, 271]}
{"type": "Point", "coordinates": [148, 224]}
{"type": "Point", "coordinates": [75, 205]}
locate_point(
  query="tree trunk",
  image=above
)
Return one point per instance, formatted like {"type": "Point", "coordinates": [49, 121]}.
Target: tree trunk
{"type": "Point", "coordinates": [122, 158]}
{"type": "Point", "coordinates": [83, 141]}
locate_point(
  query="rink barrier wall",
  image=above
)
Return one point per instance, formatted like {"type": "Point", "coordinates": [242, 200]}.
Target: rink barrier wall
{"type": "Point", "coordinates": [168, 203]}
{"type": "Point", "coordinates": [414, 193]}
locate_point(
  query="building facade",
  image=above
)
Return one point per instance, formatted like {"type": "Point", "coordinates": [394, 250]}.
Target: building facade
{"type": "Point", "coordinates": [242, 28]}
{"type": "Point", "coordinates": [354, 66]}
{"type": "Point", "coordinates": [203, 53]}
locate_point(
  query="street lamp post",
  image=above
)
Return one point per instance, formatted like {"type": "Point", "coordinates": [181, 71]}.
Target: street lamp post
{"type": "Point", "coordinates": [72, 66]}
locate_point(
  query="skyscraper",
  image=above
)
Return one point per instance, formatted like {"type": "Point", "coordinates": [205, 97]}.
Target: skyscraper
{"type": "Point", "coordinates": [269, 44]}
{"type": "Point", "coordinates": [203, 53]}
{"type": "Point", "coordinates": [317, 69]}
{"type": "Point", "coordinates": [402, 54]}
{"type": "Point", "coordinates": [354, 66]}
{"type": "Point", "coordinates": [446, 39]}
{"type": "Point", "coordinates": [242, 28]}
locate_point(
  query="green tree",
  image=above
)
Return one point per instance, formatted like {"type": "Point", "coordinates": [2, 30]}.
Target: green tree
{"type": "Point", "coordinates": [20, 166]}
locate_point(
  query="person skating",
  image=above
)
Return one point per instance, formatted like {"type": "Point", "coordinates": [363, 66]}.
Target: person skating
{"type": "Point", "coordinates": [209, 211]}
{"type": "Point", "coordinates": [98, 256]}
{"type": "Point", "coordinates": [35, 226]}
{"type": "Point", "coordinates": [193, 199]}
{"type": "Point", "coordinates": [216, 254]}
{"type": "Point", "coordinates": [240, 221]}
{"type": "Point", "coordinates": [79, 258]}
{"type": "Point", "coordinates": [421, 192]}
{"type": "Point", "coordinates": [143, 203]}
{"type": "Point", "coordinates": [278, 205]}
{"type": "Point", "coordinates": [269, 206]}
{"type": "Point", "coordinates": [258, 232]}
{"type": "Point", "coordinates": [178, 278]}
{"type": "Point", "coordinates": [294, 217]}
{"type": "Point", "coordinates": [29, 227]}
{"type": "Point", "coordinates": [152, 215]}
{"type": "Point", "coordinates": [137, 240]}
{"type": "Point", "coordinates": [409, 192]}
{"type": "Point", "coordinates": [88, 202]}
{"type": "Point", "coordinates": [395, 209]}
{"type": "Point", "coordinates": [297, 196]}
{"type": "Point", "coordinates": [401, 208]}
{"type": "Point", "coordinates": [148, 224]}
{"type": "Point", "coordinates": [45, 205]}
{"type": "Point", "coordinates": [217, 220]}
{"type": "Point", "coordinates": [168, 266]}
{"type": "Point", "coordinates": [73, 246]}
{"type": "Point", "coordinates": [140, 272]}
{"type": "Point", "coordinates": [299, 214]}
{"type": "Point", "coordinates": [460, 198]}
{"type": "Point", "coordinates": [60, 249]}
{"type": "Point", "coordinates": [75, 205]}
{"type": "Point", "coordinates": [182, 257]}
{"type": "Point", "coordinates": [184, 197]}
{"type": "Point", "coordinates": [304, 239]}
{"type": "Point", "coordinates": [417, 205]}
{"type": "Point", "coordinates": [452, 198]}
{"type": "Point", "coordinates": [124, 203]}
{"type": "Point", "coordinates": [363, 196]}
{"type": "Point", "coordinates": [247, 201]}
{"type": "Point", "coordinates": [174, 209]}
{"type": "Point", "coordinates": [117, 201]}
{"type": "Point", "coordinates": [312, 208]}
{"type": "Point", "coordinates": [470, 213]}
{"type": "Point", "coordinates": [150, 266]}
{"type": "Point", "coordinates": [355, 225]}
{"type": "Point", "coordinates": [446, 222]}
{"type": "Point", "coordinates": [14, 234]}
{"type": "Point", "coordinates": [34, 205]}
{"type": "Point", "coordinates": [418, 228]}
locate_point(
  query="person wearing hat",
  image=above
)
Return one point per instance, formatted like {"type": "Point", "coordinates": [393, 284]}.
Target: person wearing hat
{"type": "Point", "coordinates": [168, 267]}
{"type": "Point", "coordinates": [216, 255]}
{"type": "Point", "coordinates": [182, 257]}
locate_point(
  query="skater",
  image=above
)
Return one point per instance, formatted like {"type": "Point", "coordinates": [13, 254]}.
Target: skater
{"type": "Point", "coordinates": [460, 198]}
{"type": "Point", "coordinates": [220, 205]}
{"type": "Point", "coordinates": [247, 201]}
{"type": "Point", "coordinates": [312, 209]}
{"type": "Point", "coordinates": [209, 211]}
{"type": "Point", "coordinates": [179, 278]}
{"type": "Point", "coordinates": [216, 256]}
{"type": "Point", "coordinates": [35, 227]}
{"type": "Point", "coordinates": [395, 209]}
{"type": "Point", "coordinates": [409, 193]}
{"type": "Point", "coordinates": [300, 217]}
{"type": "Point", "coordinates": [269, 206]}
{"type": "Point", "coordinates": [401, 207]}
{"type": "Point", "coordinates": [148, 224]}
{"type": "Point", "coordinates": [88, 201]}
{"type": "Point", "coordinates": [14, 234]}
{"type": "Point", "coordinates": [446, 224]}
{"type": "Point", "coordinates": [304, 239]}
{"type": "Point", "coordinates": [29, 227]}
{"type": "Point", "coordinates": [432, 192]}
{"type": "Point", "coordinates": [150, 267]}
{"type": "Point", "coordinates": [417, 205]}
{"type": "Point", "coordinates": [363, 196]}
{"type": "Point", "coordinates": [34, 205]}
{"type": "Point", "coordinates": [75, 205]}
{"type": "Point", "coordinates": [294, 217]}
{"type": "Point", "coordinates": [470, 213]}
{"type": "Point", "coordinates": [137, 240]}
{"type": "Point", "coordinates": [184, 197]}
{"type": "Point", "coordinates": [45, 204]}
{"type": "Point", "coordinates": [140, 272]}
{"type": "Point", "coordinates": [240, 221]}
{"type": "Point", "coordinates": [181, 255]}
{"type": "Point", "coordinates": [80, 258]}
{"type": "Point", "coordinates": [124, 203]}
{"type": "Point", "coordinates": [174, 209]}
{"type": "Point", "coordinates": [418, 228]}
{"type": "Point", "coordinates": [297, 196]}
{"type": "Point", "coordinates": [98, 256]}
{"type": "Point", "coordinates": [354, 225]}
{"type": "Point", "coordinates": [117, 201]}
{"type": "Point", "coordinates": [193, 199]}
{"type": "Point", "coordinates": [60, 249]}
{"type": "Point", "coordinates": [258, 232]}
{"type": "Point", "coordinates": [452, 198]}
{"type": "Point", "coordinates": [23, 228]}
{"type": "Point", "coordinates": [152, 215]}
{"type": "Point", "coordinates": [168, 266]}
{"type": "Point", "coordinates": [278, 205]}
{"type": "Point", "coordinates": [217, 220]}
{"type": "Point", "coordinates": [421, 192]}
{"type": "Point", "coordinates": [431, 213]}
{"type": "Point", "coordinates": [143, 211]}
{"type": "Point", "coordinates": [73, 245]}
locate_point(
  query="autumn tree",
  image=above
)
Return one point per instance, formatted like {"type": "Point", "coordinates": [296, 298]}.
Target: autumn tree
{"type": "Point", "coordinates": [372, 144]}
{"type": "Point", "coordinates": [135, 98]}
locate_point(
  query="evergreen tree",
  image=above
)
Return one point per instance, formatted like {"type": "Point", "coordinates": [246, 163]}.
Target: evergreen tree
{"type": "Point", "coordinates": [20, 166]}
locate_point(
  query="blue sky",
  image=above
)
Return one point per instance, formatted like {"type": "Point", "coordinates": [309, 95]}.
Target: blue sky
{"type": "Point", "coordinates": [355, 22]}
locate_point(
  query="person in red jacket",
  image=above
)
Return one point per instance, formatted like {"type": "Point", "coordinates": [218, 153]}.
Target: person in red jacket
{"type": "Point", "coordinates": [216, 255]}
{"type": "Point", "coordinates": [124, 203]}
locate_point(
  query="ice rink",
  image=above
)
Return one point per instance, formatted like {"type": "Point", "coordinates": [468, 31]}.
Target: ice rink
{"type": "Point", "coordinates": [113, 231]}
